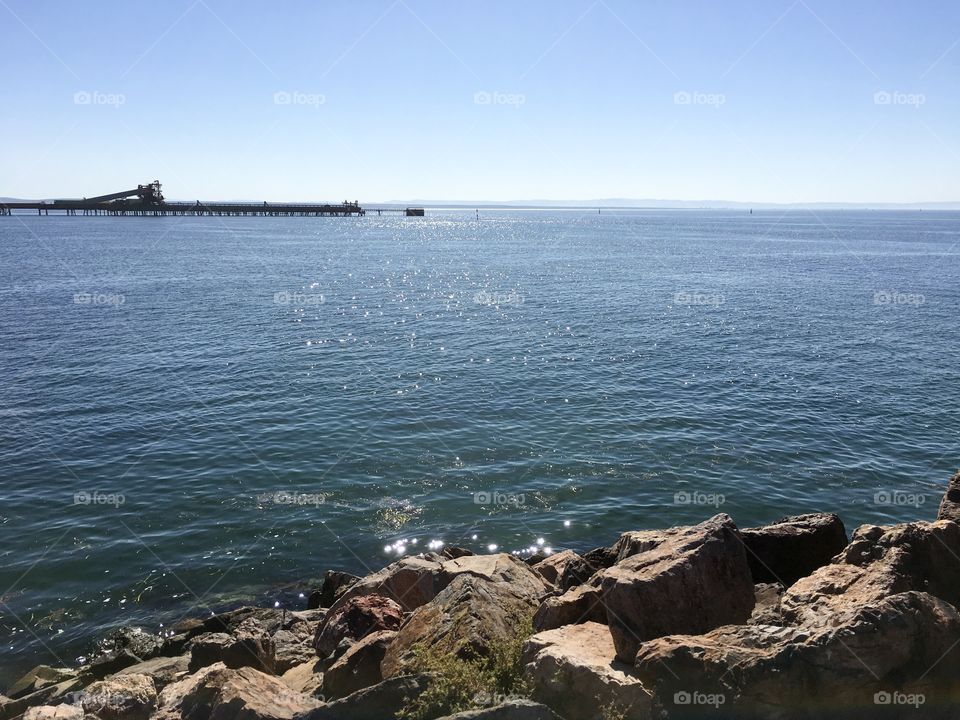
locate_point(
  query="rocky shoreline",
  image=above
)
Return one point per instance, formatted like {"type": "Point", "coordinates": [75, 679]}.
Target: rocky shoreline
{"type": "Point", "coordinates": [789, 620]}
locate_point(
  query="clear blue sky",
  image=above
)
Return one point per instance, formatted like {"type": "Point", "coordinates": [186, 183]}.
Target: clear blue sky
{"type": "Point", "coordinates": [583, 99]}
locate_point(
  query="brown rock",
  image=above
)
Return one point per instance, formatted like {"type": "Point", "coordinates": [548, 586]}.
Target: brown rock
{"type": "Point", "coordinates": [163, 670]}
{"type": "Point", "coordinates": [250, 645]}
{"type": "Point", "coordinates": [170, 699]}
{"type": "Point", "coordinates": [124, 697]}
{"type": "Point", "coordinates": [694, 580]}
{"type": "Point", "coordinates": [510, 710]}
{"type": "Point", "coordinates": [792, 548]}
{"type": "Point", "coordinates": [356, 618]}
{"type": "Point", "coordinates": [581, 604]}
{"type": "Point", "coordinates": [383, 701]}
{"type": "Point", "coordinates": [574, 671]}
{"type": "Point", "coordinates": [54, 712]}
{"type": "Point", "coordinates": [766, 609]}
{"type": "Point", "coordinates": [305, 678]}
{"type": "Point", "coordinates": [48, 695]}
{"type": "Point", "coordinates": [335, 583]}
{"type": "Point", "coordinates": [244, 694]}
{"type": "Point", "coordinates": [950, 505]}
{"type": "Point", "coordinates": [39, 677]}
{"type": "Point", "coordinates": [564, 569]}
{"type": "Point", "coordinates": [903, 643]}
{"type": "Point", "coordinates": [359, 667]}
{"type": "Point", "coordinates": [471, 615]}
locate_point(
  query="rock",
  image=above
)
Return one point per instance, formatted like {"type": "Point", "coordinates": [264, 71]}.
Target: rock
{"type": "Point", "coordinates": [453, 552]}
{"type": "Point", "coordinates": [356, 618]}
{"type": "Point", "coordinates": [696, 579]}
{"type": "Point", "coordinates": [244, 694]}
{"type": "Point", "coordinates": [358, 667]}
{"type": "Point", "coordinates": [468, 618]}
{"type": "Point", "coordinates": [54, 712]}
{"type": "Point", "coordinates": [904, 643]}
{"type": "Point", "coordinates": [40, 677]}
{"type": "Point", "coordinates": [381, 702]}
{"type": "Point", "coordinates": [108, 664]}
{"type": "Point", "coordinates": [144, 645]}
{"type": "Point", "coordinates": [48, 695]}
{"type": "Point", "coordinates": [305, 678]}
{"type": "Point", "coordinates": [510, 710]}
{"type": "Point", "coordinates": [335, 583]}
{"type": "Point", "coordinates": [170, 699]}
{"type": "Point", "coordinates": [414, 581]}
{"type": "Point", "coordinates": [766, 609]}
{"type": "Point", "coordinates": [793, 547]}
{"type": "Point", "coordinates": [163, 670]}
{"type": "Point", "coordinates": [581, 604]}
{"type": "Point", "coordinates": [292, 648]}
{"type": "Point", "coordinates": [638, 541]}
{"type": "Point", "coordinates": [601, 557]}
{"type": "Point", "coordinates": [250, 645]}
{"type": "Point", "coordinates": [950, 505]}
{"type": "Point", "coordinates": [565, 569]}
{"type": "Point", "coordinates": [574, 670]}
{"type": "Point", "coordinates": [880, 561]}
{"type": "Point", "coordinates": [124, 697]}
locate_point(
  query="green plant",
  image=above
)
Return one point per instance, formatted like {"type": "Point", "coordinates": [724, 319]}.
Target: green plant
{"type": "Point", "coordinates": [466, 683]}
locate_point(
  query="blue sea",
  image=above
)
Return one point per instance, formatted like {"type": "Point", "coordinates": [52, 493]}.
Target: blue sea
{"type": "Point", "coordinates": [200, 412]}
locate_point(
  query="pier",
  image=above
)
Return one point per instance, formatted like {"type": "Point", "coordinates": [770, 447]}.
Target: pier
{"type": "Point", "coordinates": [148, 200]}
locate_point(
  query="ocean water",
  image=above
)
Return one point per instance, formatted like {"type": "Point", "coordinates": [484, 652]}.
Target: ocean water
{"type": "Point", "coordinates": [202, 411]}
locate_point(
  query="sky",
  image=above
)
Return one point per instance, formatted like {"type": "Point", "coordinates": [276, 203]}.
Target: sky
{"type": "Point", "coordinates": [379, 100]}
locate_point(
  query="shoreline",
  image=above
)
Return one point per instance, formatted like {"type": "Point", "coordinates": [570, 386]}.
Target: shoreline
{"type": "Point", "coordinates": [787, 620]}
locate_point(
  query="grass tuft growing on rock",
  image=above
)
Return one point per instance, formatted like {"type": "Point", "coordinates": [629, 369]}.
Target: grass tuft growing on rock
{"type": "Point", "coordinates": [460, 684]}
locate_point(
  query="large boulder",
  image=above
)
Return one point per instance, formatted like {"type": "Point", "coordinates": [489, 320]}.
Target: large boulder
{"type": "Point", "coordinates": [335, 583]}
{"type": "Point", "coordinates": [880, 561]}
{"type": "Point", "coordinates": [124, 697]}
{"type": "Point", "coordinates": [48, 695]}
{"type": "Point", "coordinates": [358, 667]}
{"type": "Point", "coordinates": [39, 677]}
{"type": "Point", "coordinates": [414, 581]}
{"type": "Point", "coordinates": [143, 645]}
{"type": "Point", "coordinates": [510, 710]}
{"type": "Point", "coordinates": [243, 694]}
{"type": "Point", "coordinates": [574, 670]}
{"type": "Point", "coordinates": [564, 569]}
{"type": "Point", "coordinates": [950, 505]}
{"type": "Point", "coordinates": [170, 699]}
{"type": "Point", "coordinates": [693, 580]}
{"type": "Point", "coordinates": [163, 670]}
{"type": "Point", "coordinates": [793, 547]}
{"type": "Point", "coordinates": [468, 618]}
{"type": "Point", "coordinates": [54, 712]}
{"type": "Point", "coordinates": [305, 678]}
{"type": "Point", "coordinates": [578, 605]}
{"type": "Point", "coordinates": [356, 618]}
{"type": "Point", "coordinates": [249, 645]}
{"type": "Point", "coordinates": [383, 701]}
{"type": "Point", "coordinates": [905, 644]}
